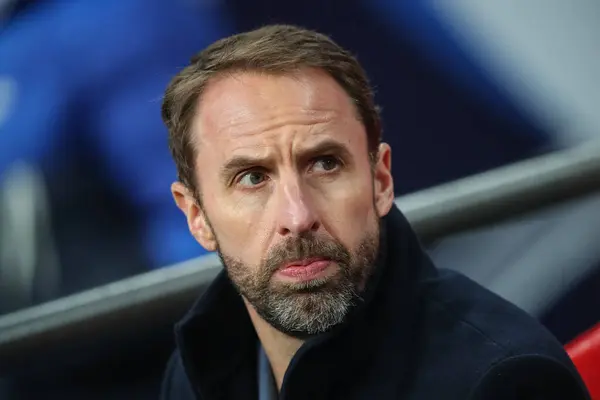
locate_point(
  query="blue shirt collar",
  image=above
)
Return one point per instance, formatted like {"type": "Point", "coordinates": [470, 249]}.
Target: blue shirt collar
{"type": "Point", "coordinates": [267, 389]}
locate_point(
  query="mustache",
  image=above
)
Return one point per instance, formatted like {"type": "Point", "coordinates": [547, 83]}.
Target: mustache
{"type": "Point", "coordinates": [304, 247]}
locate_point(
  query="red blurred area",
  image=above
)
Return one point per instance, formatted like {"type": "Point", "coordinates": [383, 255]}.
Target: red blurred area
{"type": "Point", "coordinates": [585, 353]}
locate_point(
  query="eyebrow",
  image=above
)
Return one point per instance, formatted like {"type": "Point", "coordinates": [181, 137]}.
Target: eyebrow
{"type": "Point", "coordinates": [327, 146]}
{"type": "Point", "coordinates": [240, 163]}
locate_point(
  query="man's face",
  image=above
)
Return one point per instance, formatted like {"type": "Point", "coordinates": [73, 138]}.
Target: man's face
{"type": "Point", "coordinates": [290, 198]}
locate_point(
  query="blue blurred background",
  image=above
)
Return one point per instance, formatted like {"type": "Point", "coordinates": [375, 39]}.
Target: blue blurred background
{"type": "Point", "coordinates": [465, 86]}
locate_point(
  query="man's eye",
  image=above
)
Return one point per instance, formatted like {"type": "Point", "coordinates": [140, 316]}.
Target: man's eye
{"type": "Point", "coordinates": [326, 163]}
{"type": "Point", "coordinates": [252, 178]}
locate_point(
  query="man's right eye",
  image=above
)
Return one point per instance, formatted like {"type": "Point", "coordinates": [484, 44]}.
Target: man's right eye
{"type": "Point", "coordinates": [252, 178]}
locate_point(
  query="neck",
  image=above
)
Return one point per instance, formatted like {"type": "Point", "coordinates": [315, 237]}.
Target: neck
{"type": "Point", "coordinates": [279, 347]}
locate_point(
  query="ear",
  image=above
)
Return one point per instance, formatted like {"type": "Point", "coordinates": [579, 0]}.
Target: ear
{"type": "Point", "coordinates": [196, 218]}
{"type": "Point", "coordinates": [382, 180]}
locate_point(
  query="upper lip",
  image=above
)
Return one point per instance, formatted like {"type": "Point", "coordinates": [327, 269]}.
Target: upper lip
{"type": "Point", "coordinates": [303, 262]}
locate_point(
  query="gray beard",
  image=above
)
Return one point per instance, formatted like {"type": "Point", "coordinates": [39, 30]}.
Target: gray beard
{"type": "Point", "coordinates": [306, 308]}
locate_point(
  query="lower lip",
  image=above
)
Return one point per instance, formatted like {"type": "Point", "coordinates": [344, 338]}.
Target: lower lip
{"type": "Point", "coordinates": [306, 272]}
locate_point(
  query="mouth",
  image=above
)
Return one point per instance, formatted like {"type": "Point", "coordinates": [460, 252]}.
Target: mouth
{"type": "Point", "coordinates": [307, 269]}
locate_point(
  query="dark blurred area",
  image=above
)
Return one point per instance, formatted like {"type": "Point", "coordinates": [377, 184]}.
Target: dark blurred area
{"type": "Point", "coordinates": [85, 169]}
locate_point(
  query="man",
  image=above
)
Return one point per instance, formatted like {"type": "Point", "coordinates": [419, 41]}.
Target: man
{"type": "Point", "coordinates": [326, 292]}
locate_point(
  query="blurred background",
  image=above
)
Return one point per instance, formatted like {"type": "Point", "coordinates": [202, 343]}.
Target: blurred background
{"type": "Point", "coordinates": [465, 86]}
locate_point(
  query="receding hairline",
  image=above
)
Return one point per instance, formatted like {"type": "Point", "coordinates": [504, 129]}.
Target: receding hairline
{"type": "Point", "coordinates": [297, 73]}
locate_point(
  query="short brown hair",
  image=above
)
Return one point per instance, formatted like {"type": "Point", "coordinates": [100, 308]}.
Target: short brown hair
{"type": "Point", "coordinates": [275, 49]}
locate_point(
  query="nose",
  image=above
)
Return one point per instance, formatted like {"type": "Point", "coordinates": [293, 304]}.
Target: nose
{"type": "Point", "coordinates": [296, 214]}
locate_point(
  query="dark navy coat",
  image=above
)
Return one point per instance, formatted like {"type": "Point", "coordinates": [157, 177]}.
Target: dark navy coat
{"type": "Point", "coordinates": [421, 333]}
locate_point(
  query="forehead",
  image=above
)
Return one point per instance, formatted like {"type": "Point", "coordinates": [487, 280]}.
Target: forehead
{"type": "Point", "coordinates": [241, 105]}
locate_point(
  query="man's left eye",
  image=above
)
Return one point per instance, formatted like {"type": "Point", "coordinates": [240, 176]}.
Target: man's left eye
{"type": "Point", "coordinates": [326, 163]}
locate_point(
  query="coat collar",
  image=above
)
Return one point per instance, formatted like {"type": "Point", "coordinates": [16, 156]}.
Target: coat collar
{"type": "Point", "coordinates": [217, 341]}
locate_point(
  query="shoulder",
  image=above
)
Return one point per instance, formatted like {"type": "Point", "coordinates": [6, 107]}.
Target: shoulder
{"type": "Point", "coordinates": [489, 338]}
{"type": "Point", "coordinates": [529, 376]}
{"type": "Point", "coordinates": [175, 383]}
{"type": "Point", "coordinates": [485, 317]}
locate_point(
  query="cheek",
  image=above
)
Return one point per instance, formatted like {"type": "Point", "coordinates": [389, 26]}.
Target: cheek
{"type": "Point", "coordinates": [238, 225]}
{"type": "Point", "coordinates": [348, 209]}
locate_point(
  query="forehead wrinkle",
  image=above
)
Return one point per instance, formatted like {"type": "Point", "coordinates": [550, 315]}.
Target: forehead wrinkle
{"type": "Point", "coordinates": [275, 148]}
{"type": "Point", "coordinates": [215, 114]}
{"type": "Point", "coordinates": [246, 95]}
{"type": "Point", "coordinates": [287, 144]}
{"type": "Point", "coordinates": [246, 125]}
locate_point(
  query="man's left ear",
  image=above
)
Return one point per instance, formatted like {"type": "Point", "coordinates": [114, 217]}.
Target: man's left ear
{"type": "Point", "coordinates": [383, 181]}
